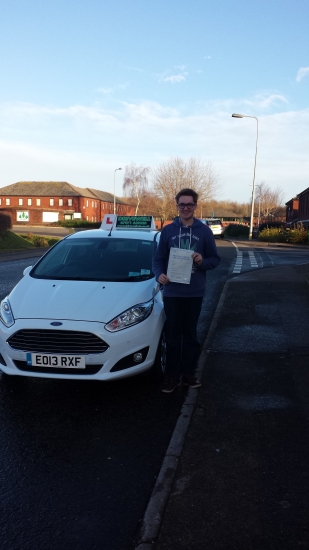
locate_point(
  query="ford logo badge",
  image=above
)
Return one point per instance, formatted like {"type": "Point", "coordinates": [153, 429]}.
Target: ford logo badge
{"type": "Point", "coordinates": [56, 324]}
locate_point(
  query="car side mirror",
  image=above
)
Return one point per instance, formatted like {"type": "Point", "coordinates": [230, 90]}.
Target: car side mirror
{"type": "Point", "coordinates": [27, 269]}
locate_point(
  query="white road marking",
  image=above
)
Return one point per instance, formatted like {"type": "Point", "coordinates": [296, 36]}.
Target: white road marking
{"type": "Point", "coordinates": [238, 263]}
{"type": "Point", "coordinates": [252, 259]}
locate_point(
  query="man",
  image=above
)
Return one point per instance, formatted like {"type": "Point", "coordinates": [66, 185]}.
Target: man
{"type": "Point", "coordinates": [183, 302]}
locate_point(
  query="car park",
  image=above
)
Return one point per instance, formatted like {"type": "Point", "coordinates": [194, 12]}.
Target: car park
{"type": "Point", "coordinates": [215, 225]}
{"type": "Point", "coordinates": [90, 308]}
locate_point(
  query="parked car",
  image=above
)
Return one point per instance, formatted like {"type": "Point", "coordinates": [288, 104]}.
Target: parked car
{"type": "Point", "coordinates": [89, 309]}
{"type": "Point", "coordinates": [216, 226]}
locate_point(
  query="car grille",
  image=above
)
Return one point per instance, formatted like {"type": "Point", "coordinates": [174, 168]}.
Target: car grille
{"type": "Point", "coordinates": [57, 341]}
{"type": "Point", "coordinates": [90, 369]}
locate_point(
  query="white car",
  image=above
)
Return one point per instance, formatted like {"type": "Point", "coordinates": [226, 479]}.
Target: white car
{"type": "Point", "coordinates": [216, 226]}
{"type": "Point", "coordinates": [89, 309]}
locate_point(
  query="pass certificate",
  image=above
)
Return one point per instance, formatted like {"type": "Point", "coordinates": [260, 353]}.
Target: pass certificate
{"type": "Point", "coordinates": [180, 265]}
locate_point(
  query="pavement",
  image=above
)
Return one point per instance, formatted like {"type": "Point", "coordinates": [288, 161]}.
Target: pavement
{"type": "Point", "coordinates": [236, 472]}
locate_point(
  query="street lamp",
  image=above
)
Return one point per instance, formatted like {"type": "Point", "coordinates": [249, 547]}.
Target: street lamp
{"type": "Point", "coordinates": [115, 189]}
{"type": "Point", "coordinates": [235, 115]}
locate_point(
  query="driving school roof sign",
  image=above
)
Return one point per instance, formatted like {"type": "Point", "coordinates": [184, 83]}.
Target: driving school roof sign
{"type": "Point", "coordinates": [128, 222]}
{"type": "Point", "coordinates": [135, 222]}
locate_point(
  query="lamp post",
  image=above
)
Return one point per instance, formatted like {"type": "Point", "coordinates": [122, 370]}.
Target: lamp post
{"type": "Point", "coordinates": [115, 188]}
{"type": "Point", "coordinates": [235, 115]}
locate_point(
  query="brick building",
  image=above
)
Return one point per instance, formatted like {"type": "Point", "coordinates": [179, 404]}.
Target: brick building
{"type": "Point", "coordinates": [303, 207]}
{"type": "Point", "coordinates": [292, 210]}
{"type": "Point", "coordinates": [44, 202]}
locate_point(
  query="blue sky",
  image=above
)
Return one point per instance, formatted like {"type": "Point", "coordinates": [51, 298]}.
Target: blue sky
{"type": "Point", "coordinates": [90, 86]}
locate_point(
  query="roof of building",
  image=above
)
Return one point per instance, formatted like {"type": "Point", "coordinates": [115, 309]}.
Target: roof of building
{"type": "Point", "coordinates": [303, 192]}
{"type": "Point", "coordinates": [104, 196]}
{"type": "Point", "coordinates": [56, 188]}
{"type": "Point", "coordinates": [221, 213]}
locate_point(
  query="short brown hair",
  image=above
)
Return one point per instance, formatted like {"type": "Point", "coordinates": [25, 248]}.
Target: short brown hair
{"type": "Point", "coordinates": [189, 193]}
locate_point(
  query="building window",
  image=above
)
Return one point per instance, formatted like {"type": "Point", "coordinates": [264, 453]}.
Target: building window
{"type": "Point", "coordinates": [87, 203]}
{"type": "Point", "coordinates": [38, 202]}
{"type": "Point", "coordinates": [29, 202]}
{"type": "Point", "coordinates": [20, 202]}
{"type": "Point", "coordinates": [87, 218]}
{"type": "Point", "coordinates": [70, 202]}
{"type": "Point", "coordinates": [92, 204]}
{"type": "Point", "coordinates": [7, 202]}
{"type": "Point", "coordinates": [51, 202]}
{"type": "Point", "coordinates": [60, 202]}
{"type": "Point", "coordinates": [0, 202]}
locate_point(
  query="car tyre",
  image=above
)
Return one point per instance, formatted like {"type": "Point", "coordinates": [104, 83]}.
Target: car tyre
{"type": "Point", "coordinates": [157, 371]}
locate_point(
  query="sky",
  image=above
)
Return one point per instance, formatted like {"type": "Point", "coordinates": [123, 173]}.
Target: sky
{"type": "Point", "coordinates": [89, 86]}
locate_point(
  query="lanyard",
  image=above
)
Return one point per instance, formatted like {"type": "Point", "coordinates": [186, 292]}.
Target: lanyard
{"type": "Point", "coordinates": [180, 236]}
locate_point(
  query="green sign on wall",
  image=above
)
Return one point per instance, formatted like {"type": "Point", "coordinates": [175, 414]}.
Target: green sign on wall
{"type": "Point", "coordinates": [22, 216]}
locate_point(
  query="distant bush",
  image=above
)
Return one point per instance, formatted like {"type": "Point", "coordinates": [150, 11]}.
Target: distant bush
{"type": "Point", "coordinates": [236, 230]}
{"type": "Point", "coordinates": [5, 223]}
{"type": "Point", "coordinates": [39, 241]}
{"type": "Point", "coordinates": [51, 242]}
{"type": "Point", "coordinates": [78, 223]}
{"type": "Point", "coordinates": [279, 235]}
{"type": "Point", "coordinates": [273, 235]}
{"type": "Point", "coordinates": [269, 225]}
{"type": "Point", "coordinates": [297, 236]}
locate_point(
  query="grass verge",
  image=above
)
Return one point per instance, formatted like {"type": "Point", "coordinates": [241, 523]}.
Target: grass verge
{"type": "Point", "coordinates": [12, 242]}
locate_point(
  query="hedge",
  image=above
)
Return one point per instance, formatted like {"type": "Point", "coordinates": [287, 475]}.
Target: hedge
{"type": "Point", "coordinates": [236, 230]}
{"type": "Point", "coordinates": [5, 223]}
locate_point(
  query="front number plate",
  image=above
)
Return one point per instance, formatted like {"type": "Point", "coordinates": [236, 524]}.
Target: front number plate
{"type": "Point", "coordinates": [56, 361]}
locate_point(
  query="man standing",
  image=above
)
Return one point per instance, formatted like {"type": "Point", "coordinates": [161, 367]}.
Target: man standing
{"type": "Point", "coordinates": [183, 302]}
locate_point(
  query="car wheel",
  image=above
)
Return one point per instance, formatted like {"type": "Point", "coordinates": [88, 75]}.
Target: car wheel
{"type": "Point", "coordinates": [157, 371]}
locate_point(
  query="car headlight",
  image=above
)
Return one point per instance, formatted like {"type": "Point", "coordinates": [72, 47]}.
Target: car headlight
{"type": "Point", "coordinates": [130, 317]}
{"type": "Point", "coordinates": [6, 315]}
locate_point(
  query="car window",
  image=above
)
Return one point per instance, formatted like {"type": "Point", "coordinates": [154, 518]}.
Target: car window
{"type": "Point", "coordinates": [106, 259]}
{"type": "Point", "coordinates": [213, 222]}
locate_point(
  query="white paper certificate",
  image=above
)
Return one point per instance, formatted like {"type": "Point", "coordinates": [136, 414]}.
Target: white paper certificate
{"type": "Point", "coordinates": [180, 265]}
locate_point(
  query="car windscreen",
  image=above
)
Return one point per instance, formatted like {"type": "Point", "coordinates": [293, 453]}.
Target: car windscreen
{"type": "Point", "coordinates": [96, 259]}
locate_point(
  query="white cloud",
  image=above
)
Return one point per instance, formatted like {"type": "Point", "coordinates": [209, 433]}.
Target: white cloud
{"type": "Point", "coordinates": [265, 101]}
{"type": "Point", "coordinates": [84, 144]}
{"type": "Point", "coordinates": [207, 56]}
{"type": "Point", "coordinates": [176, 78]}
{"type": "Point", "coordinates": [180, 67]}
{"type": "Point", "coordinates": [303, 71]}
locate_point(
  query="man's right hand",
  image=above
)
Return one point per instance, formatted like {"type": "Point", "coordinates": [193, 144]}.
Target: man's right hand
{"type": "Point", "coordinates": [163, 279]}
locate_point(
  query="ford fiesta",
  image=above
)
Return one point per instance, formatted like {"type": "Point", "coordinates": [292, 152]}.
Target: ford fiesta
{"type": "Point", "coordinates": [89, 309]}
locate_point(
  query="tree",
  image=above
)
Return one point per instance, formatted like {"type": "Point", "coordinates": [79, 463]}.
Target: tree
{"type": "Point", "coordinates": [135, 182]}
{"type": "Point", "coordinates": [269, 200]}
{"type": "Point", "coordinates": [176, 174]}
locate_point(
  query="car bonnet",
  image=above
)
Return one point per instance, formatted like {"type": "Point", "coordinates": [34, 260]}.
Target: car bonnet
{"type": "Point", "coordinates": [76, 300]}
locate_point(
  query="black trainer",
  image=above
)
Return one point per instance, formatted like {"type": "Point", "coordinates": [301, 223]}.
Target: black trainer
{"type": "Point", "coordinates": [191, 381]}
{"type": "Point", "coordinates": [169, 384]}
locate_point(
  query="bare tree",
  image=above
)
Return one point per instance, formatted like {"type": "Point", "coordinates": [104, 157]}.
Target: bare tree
{"type": "Point", "coordinates": [176, 174]}
{"type": "Point", "coordinates": [269, 200]}
{"type": "Point", "coordinates": [135, 182]}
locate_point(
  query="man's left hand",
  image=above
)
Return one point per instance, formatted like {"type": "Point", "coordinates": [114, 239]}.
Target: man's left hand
{"type": "Point", "coordinates": [197, 258]}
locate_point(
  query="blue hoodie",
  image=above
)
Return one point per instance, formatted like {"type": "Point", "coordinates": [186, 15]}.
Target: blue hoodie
{"type": "Point", "coordinates": [198, 238]}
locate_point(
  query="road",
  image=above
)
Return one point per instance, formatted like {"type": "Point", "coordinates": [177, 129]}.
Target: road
{"type": "Point", "coordinates": [79, 459]}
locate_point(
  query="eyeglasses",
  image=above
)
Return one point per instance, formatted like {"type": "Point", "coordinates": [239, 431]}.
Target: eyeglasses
{"type": "Point", "coordinates": [183, 205]}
